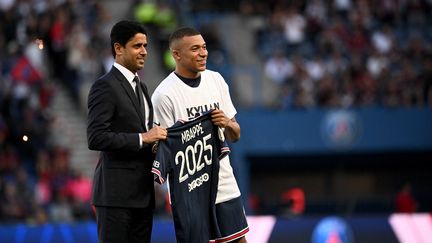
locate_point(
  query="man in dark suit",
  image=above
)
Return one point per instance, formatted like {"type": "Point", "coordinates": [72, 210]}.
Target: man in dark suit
{"type": "Point", "coordinates": [120, 125]}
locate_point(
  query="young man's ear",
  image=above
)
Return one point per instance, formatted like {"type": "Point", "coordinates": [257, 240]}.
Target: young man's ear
{"type": "Point", "coordinates": [176, 54]}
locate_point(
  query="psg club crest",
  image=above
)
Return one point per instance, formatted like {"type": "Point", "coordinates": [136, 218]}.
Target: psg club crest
{"type": "Point", "coordinates": [340, 129]}
{"type": "Point", "coordinates": [332, 229]}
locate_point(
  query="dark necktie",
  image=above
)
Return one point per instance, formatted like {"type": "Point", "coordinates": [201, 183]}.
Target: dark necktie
{"type": "Point", "coordinates": [139, 92]}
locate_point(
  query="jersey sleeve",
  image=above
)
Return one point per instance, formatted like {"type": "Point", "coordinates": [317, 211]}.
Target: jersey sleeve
{"type": "Point", "coordinates": [161, 164]}
{"type": "Point", "coordinates": [224, 148]}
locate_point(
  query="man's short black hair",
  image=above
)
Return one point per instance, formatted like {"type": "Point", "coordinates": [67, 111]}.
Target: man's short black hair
{"type": "Point", "coordinates": [123, 31]}
{"type": "Point", "coordinates": [182, 32]}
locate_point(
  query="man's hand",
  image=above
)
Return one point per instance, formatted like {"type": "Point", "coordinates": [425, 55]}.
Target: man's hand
{"type": "Point", "coordinates": [220, 119]}
{"type": "Point", "coordinates": [230, 126]}
{"type": "Point", "coordinates": [155, 134]}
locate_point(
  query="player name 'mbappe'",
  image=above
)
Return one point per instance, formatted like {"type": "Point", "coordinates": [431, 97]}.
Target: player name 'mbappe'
{"type": "Point", "coordinates": [192, 132]}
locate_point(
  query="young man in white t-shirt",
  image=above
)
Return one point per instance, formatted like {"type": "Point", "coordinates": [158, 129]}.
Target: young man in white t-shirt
{"type": "Point", "coordinates": [189, 91]}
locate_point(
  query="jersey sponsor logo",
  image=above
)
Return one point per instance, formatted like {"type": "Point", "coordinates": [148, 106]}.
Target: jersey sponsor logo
{"type": "Point", "coordinates": [156, 164]}
{"type": "Point", "coordinates": [198, 181]}
{"type": "Point", "coordinates": [192, 133]}
{"type": "Point", "coordinates": [193, 111]}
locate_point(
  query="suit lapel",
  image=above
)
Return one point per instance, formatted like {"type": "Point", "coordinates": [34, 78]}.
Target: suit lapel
{"type": "Point", "coordinates": [130, 93]}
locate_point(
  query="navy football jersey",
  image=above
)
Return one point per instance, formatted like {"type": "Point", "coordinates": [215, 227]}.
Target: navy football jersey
{"type": "Point", "coordinates": [189, 158]}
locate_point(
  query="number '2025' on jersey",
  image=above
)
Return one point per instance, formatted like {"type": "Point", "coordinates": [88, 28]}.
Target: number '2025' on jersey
{"type": "Point", "coordinates": [189, 159]}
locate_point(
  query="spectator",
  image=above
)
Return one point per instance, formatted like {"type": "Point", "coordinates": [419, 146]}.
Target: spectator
{"type": "Point", "coordinates": [279, 68]}
{"type": "Point", "coordinates": [78, 191]}
{"type": "Point", "coordinates": [405, 201]}
{"type": "Point", "coordinates": [294, 25]}
{"type": "Point", "coordinates": [13, 206]}
{"type": "Point", "coordinates": [60, 209]}
{"type": "Point", "coordinates": [79, 187]}
{"type": "Point", "coordinates": [383, 39]}
{"type": "Point", "coordinates": [292, 202]}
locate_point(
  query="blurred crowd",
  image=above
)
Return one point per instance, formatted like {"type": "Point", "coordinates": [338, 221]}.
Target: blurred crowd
{"type": "Point", "coordinates": [44, 44]}
{"type": "Point", "coordinates": [346, 53]}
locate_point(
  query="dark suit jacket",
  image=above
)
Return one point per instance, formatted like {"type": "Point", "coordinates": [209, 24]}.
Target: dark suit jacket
{"type": "Point", "coordinates": [123, 174]}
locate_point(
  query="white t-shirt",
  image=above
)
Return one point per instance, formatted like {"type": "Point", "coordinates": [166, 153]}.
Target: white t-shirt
{"type": "Point", "coordinates": [173, 100]}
